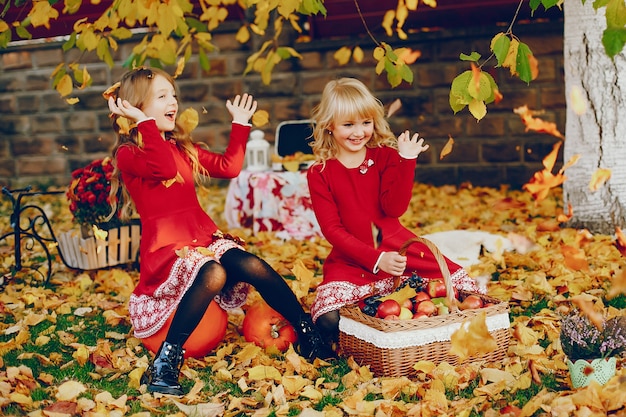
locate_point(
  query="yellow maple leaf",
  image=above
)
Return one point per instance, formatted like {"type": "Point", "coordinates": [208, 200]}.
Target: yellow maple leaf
{"type": "Point", "coordinates": [577, 101]}
{"type": "Point", "coordinates": [69, 390]}
{"type": "Point", "coordinates": [41, 14]}
{"type": "Point", "coordinates": [357, 54]}
{"type": "Point", "coordinates": [472, 338]}
{"type": "Point", "coordinates": [264, 372]}
{"type": "Point", "coordinates": [99, 233]}
{"type": "Point", "coordinates": [188, 119]}
{"type": "Point", "coordinates": [180, 66]}
{"type": "Point", "coordinates": [260, 118]}
{"type": "Point", "coordinates": [447, 148]}
{"type": "Point", "coordinates": [182, 252]}
{"type": "Point", "coordinates": [598, 178]}
{"type": "Point", "coordinates": [342, 55]}
{"type": "Point", "coordinates": [65, 85]}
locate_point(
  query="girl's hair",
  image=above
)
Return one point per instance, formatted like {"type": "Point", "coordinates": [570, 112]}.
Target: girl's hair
{"type": "Point", "coordinates": [347, 99]}
{"type": "Point", "coordinates": [135, 87]}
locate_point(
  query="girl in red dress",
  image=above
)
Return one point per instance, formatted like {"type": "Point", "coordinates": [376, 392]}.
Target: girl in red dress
{"type": "Point", "coordinates": [360, 184]}
{"type": "Point", "coordinates": [185, 260]}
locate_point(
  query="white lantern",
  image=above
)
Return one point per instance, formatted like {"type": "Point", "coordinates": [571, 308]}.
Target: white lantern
{"type": "Point", "coordinates": [257, 152]}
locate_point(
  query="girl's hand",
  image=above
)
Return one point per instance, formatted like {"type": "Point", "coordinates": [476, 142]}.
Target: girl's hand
{"type": "Point", "coordinates": [410, 147]}
{"type": "Point", "coordinates": [392, 263]}
{"type": "Point", "coordinates": [242, 108]}
{"type": "Point", "coordinates": [124, 108]}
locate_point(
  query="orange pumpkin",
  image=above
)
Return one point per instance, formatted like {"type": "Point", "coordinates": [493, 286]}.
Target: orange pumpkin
{"type": "Point", "coordinates": [209, 333]}
{"type": "Point", "coordinates": [266, 327]}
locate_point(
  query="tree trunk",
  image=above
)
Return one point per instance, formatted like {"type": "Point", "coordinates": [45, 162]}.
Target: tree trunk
{"type": "Point", "coordinates": [598, 135]}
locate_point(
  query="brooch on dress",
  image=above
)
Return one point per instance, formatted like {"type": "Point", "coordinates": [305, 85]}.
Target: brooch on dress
{"type": "Point", "coordinates": [365, 165]}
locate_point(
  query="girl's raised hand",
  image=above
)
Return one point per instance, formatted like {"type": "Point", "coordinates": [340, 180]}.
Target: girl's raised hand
{"type": "Point", "coordinates": [411, 147]}
{"type": "Point", "coordinates": [124, 108]}
{"type": "Point", "coordinates": [242, 108]}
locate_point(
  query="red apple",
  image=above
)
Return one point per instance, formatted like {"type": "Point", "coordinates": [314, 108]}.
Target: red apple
{"type": "Point", "coordinates": [388, 307]}
{"type": "Point", "coordinates": [420, 315]}
{"type": "Point", "coordinates": [472, 301]}
{"type": "Point", "coordinates": [436, 288]}
{"type": "Point", "coordinates": [427, 307]}
{"type": "Point", "coordinates": [391, 317]}
{"type": "Point", "coordinates": [407, 304]}
{"type": "Point", "coordinates": [421, 296]}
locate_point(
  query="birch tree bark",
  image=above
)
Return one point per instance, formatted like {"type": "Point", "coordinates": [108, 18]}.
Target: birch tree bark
{"type": "Point", "coordinates": [598, 135]}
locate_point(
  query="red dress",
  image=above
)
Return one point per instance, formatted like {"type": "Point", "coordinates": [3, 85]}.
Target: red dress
{"type": "Point", "coordinates": [347, 204]}
{"type": "Point", "coordinates": [173, 223]}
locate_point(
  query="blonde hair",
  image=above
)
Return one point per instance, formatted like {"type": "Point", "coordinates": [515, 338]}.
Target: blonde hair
{"type": "Point", "coordinates": [135, 87]}
{"type": "Point", "coordinates": [347, 99]}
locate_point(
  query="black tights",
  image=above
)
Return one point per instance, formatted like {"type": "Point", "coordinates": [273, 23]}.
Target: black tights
{"type": "Point", "coordinates": [235, 265]}
{"type": "Point", "coordinates": [328, 324]}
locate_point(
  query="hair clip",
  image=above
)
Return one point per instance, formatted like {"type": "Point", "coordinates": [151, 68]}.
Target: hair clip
{"type": "Point", "coordinates": [365, 165]}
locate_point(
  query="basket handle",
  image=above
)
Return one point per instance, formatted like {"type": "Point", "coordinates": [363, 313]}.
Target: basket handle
{"type": "Point", "coordinates": [443, 267]}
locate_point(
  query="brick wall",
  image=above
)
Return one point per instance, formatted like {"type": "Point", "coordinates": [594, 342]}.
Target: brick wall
{"type": "Point", "coordinates": [42, 139]}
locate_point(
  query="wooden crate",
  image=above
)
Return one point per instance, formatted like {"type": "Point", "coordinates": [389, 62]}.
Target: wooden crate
{"type": "Point", "coordinates": [121, 246]}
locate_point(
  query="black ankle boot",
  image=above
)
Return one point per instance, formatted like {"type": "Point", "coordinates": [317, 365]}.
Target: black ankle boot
{"type": "Point", "coordinates": [162, 374]}
{"type": "Point", "coordinates": [311, 344]}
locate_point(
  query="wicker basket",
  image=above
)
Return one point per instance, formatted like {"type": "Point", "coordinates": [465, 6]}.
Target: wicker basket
{"type": "Point", "coordinates": [392, 347]}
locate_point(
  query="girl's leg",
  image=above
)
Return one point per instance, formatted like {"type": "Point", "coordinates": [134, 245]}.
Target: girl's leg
{"type": "Point", "coordinates": [328, 323]}
{"type": "Point", "coordinates": [246, 267]}
{"type": "Point", "coordinates": [162, 375]}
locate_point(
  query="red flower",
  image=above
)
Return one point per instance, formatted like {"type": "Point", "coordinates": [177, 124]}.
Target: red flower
{"type": "Point", "coordinates": [88, 192]}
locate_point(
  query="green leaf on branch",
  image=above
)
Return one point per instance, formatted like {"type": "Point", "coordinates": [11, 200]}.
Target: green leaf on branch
{"type": "Point", "coordinates": [474, 57]}
{"type": "Point", "coordinates": [613, 41]}
{"type": "Point", "coordinates": [478, 109]}
{"type": "Point", "coordinates": [459, 94]}
{"type": "Point", "coordinates": [204, 60]}
{"type": "Point", "coordinates": [500, 47]}
{"type": "Point", "coordinates": [522, 66]}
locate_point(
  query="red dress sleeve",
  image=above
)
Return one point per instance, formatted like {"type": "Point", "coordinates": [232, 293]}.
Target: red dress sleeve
{"type": "Point", "coordinates": [396, 185]}
{"type": "Point", "coordinates": [153, 161]}
{"type": "Point", "coordinates": [230, 163]}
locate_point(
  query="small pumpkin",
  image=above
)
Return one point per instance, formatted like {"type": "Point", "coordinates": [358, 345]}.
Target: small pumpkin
{"type": "Point", "coordinates": [206, 337]}
{"type": "Point", "coordinates": [266, 327]}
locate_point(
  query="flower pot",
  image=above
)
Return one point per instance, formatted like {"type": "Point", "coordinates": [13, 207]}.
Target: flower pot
{"type": "Point", "coordinates": [120, 246]}
{"type": "Point", "coordinates": [582, 372]}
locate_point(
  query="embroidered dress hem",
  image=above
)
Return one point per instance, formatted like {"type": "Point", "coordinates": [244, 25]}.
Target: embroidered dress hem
{"type": "Point", "coordinates": [149, 313]}
{"type": "Point", "coordinates": [336, 294]}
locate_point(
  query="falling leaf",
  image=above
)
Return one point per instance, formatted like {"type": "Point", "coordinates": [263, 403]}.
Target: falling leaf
{"type": "Point", "coordinates": [260, 118]}
{"type": "Point", "coordinates": [342, 55]}
{"type": "Point", "coordinates": [472, 338]}
{"type": "Point", "coordinates": [577, 101]}
{"type": "Point", "coordinates": [179, 67]}
{"type": "Point", "coordinates": [72, 100]}
{"type": "Point", "coordinates": [188, 119]}
{"type": "Point", "coordinates": [587, 309]}
{"type": "Point", "coordinates": [618, 285]}
{"type": "Point", "coordinates": [447, 148]}
{"type": "Point", "coordinates": [598, 178]}
{"type": "Point", "coordinates": [394, 107]}
{"type": "Point", "coordinates": [536, 124]}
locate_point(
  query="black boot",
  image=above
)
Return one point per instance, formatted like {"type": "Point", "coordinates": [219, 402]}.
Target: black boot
{"type": "Point", "coordinates": [311, 344]}
{"type": "Point", "coordinates": [162, 374]}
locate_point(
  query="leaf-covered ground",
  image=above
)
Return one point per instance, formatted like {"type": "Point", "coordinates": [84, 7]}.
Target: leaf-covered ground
{"type": "Point", "coordinates": [68, 349]}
